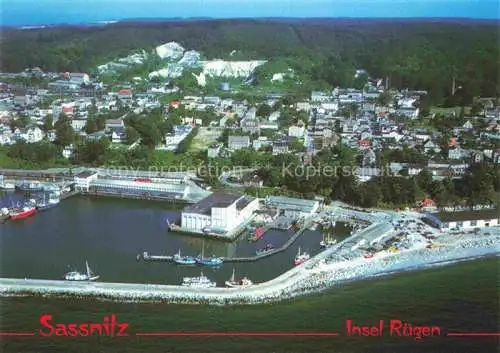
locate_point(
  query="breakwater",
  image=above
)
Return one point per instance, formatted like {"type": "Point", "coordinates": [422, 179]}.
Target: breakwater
{"type": "Point", "coordinates": [300, 280]}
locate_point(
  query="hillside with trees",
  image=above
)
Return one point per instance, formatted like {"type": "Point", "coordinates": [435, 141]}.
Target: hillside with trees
{"type": "Point", "coordinates": [412, 54]}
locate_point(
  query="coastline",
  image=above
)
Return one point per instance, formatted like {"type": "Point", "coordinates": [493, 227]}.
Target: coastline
{"type": "Point", "coordinates": [298, 281]}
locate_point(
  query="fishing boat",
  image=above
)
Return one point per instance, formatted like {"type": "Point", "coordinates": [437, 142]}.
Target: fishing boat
{"type": "Point", "coordinates": [183, 260]}
{"type": "Point", "coordinates": [259, 232]}
{"type": "Point", "coordinates": [208, 261]}
{"type": "Point", "coordinates": [244, 282]}
{"type": "Point", "coordinates": [47, 204]}
{"type": "Point", "coordinates": [26, 211]}
{"type": "Point", "coordinates": [269, 247]}
{"type": "Point", "coordinates": [198, 282]}
{"type": "Point", "coordinates": [78, 276]}
{"type": "Point", "coordinates": [301, 258]}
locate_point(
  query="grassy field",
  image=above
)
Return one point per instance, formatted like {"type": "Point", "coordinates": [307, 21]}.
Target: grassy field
{"type": "Point", "coordinates": [449, 111]}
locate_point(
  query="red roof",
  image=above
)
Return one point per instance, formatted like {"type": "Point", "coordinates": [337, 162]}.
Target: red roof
{"type": "Point", "coordinates": [427, 203]}
{"type": "Point", "coordinates": [125, 92]}
{"type": "Point", "coordinates": [364, 142]}
{"type": "Point", "coordinates": [68, 109]}
{"type": "Point", "coordinates": [175, 104]}
{"type": "Point", "coordinates": [453, 142]}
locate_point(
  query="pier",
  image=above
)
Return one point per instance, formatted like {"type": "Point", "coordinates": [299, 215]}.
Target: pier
{"type": "Point", "coordinates": [293, 238]}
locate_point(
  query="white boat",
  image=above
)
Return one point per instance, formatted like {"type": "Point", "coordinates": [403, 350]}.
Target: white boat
{"type": "Point", "coordinates": [77, 276]}
{"type": "Point", "coordinates": [7, 186]}
{"type": "Point", "coordinates": [232, 283]}
{"type": "Point", "coordinates": [198, 282]}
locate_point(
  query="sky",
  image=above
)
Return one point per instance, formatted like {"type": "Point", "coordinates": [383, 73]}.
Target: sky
{"type": "Point", "coordinates": [43, 12]}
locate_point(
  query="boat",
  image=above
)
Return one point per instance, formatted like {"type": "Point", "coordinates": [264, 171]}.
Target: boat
{"type": "Point", "coordinates": [183, 260]}
{"type": "Point", "coordinates": [47, 204]}
{"type": "Point", "coordinates": [244, 282]}
{"type": "Point", "coordinates": [77, 276]}
{"type": "Point", "coordinates": [269, 247]}
{"type": "Point", "coordinates": [26, 211]}
{"type": "Point", "coordinates": [208, 261]}
{"type": "Point", "coordinates": [27, 186]}
{"type": "Point", "coordinates": [198, 282]}
{"type": "Point", "coordinates": [7, 186]}
{"type": "Point", "coordinates": [258, 233]}
{"type": "Point", "coordinates": [301, 258]}
{"type": "Point", "coordinates": [368, 255]}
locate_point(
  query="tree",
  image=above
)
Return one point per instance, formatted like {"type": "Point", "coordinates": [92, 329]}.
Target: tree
{"type": "Point", "coordinates": [264, 110]}
{"type": "Point", "coordinates": [132, 135]}
{"type": "Point", "coordinates": [91, 126]}
{"type": "Point", "coordinates": [48, 123]}
{"type": "Point", "coordinates": [65, 134]}
{"type": "Point", "coordinates": [384, 99]}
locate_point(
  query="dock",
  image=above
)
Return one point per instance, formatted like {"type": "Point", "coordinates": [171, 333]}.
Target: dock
{"type": "Point", "coordinates": [160, 258]}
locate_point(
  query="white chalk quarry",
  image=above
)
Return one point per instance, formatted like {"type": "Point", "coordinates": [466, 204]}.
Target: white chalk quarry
{"type": "Point", "coordinates": [221, 68]}
{"type": "Point", "coordinates": [171, 50]}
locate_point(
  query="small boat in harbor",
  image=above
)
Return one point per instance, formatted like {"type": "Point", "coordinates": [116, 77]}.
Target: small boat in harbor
{"type": "Point", "coordinates": [269, 247]}
{"type": "Point", "coordinates": [47, 204]}
{"type": "Point", "coordinates": [301, 258]}
{"type": "Point", "coordinates": [208, 261]}
{"type": "Point", "coordinates": [198, 282]}
{"type": "Point", "coordinates": [78, 276]}
{"type": "Point", "coordinates": [258, 233]}
{"type": "Point", "coordinates": [244, 282]}
{"type": "Point", "coordinates": [183, 260]}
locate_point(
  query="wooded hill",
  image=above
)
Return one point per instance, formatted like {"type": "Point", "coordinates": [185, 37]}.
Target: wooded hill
{"type": "Point", "coordinates": [414, 54]}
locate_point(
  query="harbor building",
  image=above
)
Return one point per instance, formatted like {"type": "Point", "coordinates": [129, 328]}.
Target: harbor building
{"type": "Point", "coordinates": [463, 220]}
{"type": "Point", "coordinates": [83, 180]}
{"type": "Point", "coordinates": [220, 212]}
{"type": "Point", "coordinates": [172, 187]}
{"type": "Point", "coordinates": [292, 207]}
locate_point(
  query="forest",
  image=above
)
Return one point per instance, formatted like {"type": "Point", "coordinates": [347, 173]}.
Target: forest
{"type": "Point", "coordinates": [412, 54]}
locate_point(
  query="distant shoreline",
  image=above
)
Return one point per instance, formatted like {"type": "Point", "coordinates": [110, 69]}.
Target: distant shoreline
{"type": "Point", "coordinates": [381, 20]}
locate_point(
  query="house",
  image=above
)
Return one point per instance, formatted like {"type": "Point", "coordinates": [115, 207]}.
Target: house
{"type": "Point", "coordinates": [118, 134]}
{"type": "Point", "coordinates": [262, 141]}
{"type": "Point", "coordinates": [468, 126]}
{"type": "Point", "coordinates": [320, 97]}
{"type": "Point", "coordinates": [274, 116]}
{"type": "Point", "coordinates": [297, 130]}
{"type": "Point", "coordinates": [304, 106]}
{"type": "Point", "coordinates": [78, 124]}
{"type": "Point", "coordinates": [411, 113]}
{"type": "Point", "coordinates": [114, 123]}
{"type": "Point", "coordinates": [68, 151]}
{"type": "Point", "coordinates": [30, 134]}
{"type": "Point", "coordinates": [214, 150]}
{"type": "Point", "coordinates": [364, 144]}
{"type": "Point", "coordinates": [125, 94]}
{"type": "Point", "coordinates": [369, 158]}
{"type": "Point", "coordinates": [77, 78]}
{"type": "Point", "coordinates": [280, 147]}
{"type": "Point", "coordinates": [250, 125]}
{"type": "Point", "coordinates": [431, 147]}
{"type": "Point", "coordinates": [427, 205]}
{"type": "Point", "coordinates": [238, 142]}
{"type": "Point", "coordinates": [457, 153]}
